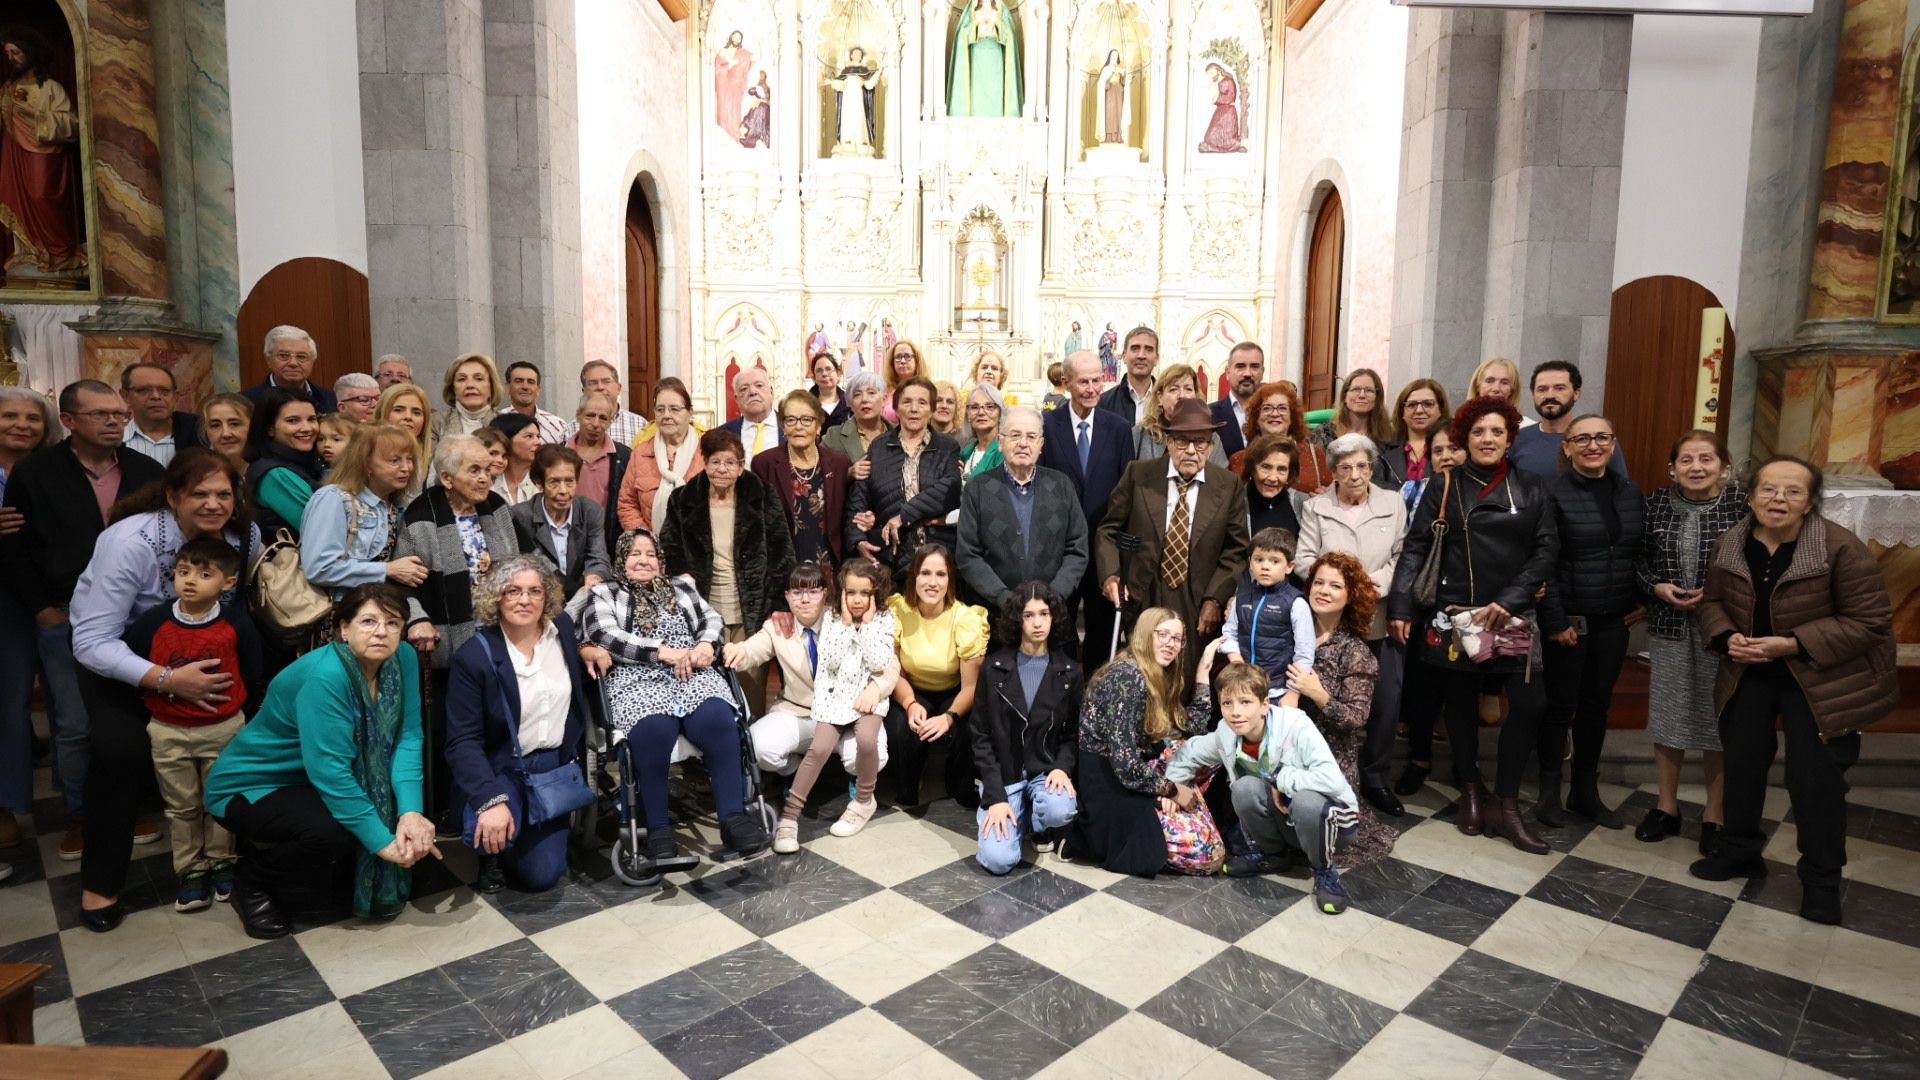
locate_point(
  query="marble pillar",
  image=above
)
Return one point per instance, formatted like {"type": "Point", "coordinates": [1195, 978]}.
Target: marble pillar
{"type": "Point", "coordinates": [1860, 133]}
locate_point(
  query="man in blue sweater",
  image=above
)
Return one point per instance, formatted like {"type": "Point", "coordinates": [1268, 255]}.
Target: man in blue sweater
{"type": "Point", "coordinates": [1556, 390]}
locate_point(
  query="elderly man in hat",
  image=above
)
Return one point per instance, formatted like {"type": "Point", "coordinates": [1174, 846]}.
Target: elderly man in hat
{"type": "Point", "coordinates": [1191, 522]}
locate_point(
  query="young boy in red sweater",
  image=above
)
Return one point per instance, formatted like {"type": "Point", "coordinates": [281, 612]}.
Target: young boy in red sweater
{"type": "Point", "coordinates": [187, 737]}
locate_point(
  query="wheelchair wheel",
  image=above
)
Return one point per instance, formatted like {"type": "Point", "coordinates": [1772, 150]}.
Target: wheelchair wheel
{"type": "Point", "coordinates": [631, 867]}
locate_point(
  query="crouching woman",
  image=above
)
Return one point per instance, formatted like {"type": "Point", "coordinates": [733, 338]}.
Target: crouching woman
{"type": "Point", "coordinates": [1026, 728]}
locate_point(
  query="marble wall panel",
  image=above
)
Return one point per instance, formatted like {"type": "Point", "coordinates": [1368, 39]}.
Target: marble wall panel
{"type": "Point", "coordinates": [126, 149]}
{"type": "Point", "coordinates": [1900, 428]}
{"type": "Point", "coordinates": [1860, 133]}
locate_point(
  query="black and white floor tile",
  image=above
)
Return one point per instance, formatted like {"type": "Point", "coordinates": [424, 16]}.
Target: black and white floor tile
{"type": "Point", "coordinates": [893, 954]}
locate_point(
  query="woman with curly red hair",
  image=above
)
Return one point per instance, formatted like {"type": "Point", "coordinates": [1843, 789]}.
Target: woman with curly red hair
{"type": "Point", "coordinates": [1274, 409]}
{"type": "Point", "coordinates": [1499, 546]}
{"type": "Point", "coordinates": [1337, 692]}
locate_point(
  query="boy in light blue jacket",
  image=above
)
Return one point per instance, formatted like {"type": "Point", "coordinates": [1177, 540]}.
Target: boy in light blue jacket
{"type": "Point", "coordinates": [1286, 785]}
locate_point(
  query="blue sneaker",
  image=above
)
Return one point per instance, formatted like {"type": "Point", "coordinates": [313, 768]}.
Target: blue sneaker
{"type": "Point", "coordinates": [196, 892]}
{"type": "Point", "coordinates": [1328, 893]}
{"type": "Point", "coordinates": [1253, 862]}
{"type": "Point", "coordinates": [223, 880]}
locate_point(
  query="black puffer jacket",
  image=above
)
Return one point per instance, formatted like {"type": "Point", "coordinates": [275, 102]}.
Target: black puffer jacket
{"type": "Point", "coordinates": [1595, 572]}
{"type": "Point", "coordinates": [1498, 549]}
{"type": "Point", "coordinates": [762, 544]}
{"type": "Point", "coordinates": [1008, 737]}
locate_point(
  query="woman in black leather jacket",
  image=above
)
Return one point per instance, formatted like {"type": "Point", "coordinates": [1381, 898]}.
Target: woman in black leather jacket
{"type": "Point", "coordinates": [1499, 548]}
{"type": "Point", "coordinates": [1583, 617]}
{"type": "Point", "coordinates": [891, 515]}
{"type": "Point", "coordinates": [1026, 726]}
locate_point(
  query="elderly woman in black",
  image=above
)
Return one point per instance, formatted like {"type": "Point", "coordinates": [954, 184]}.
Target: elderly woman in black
{"type": "Point", "coordinates": [516, 709]}
{"type": "Point", "coordinates": [1272, 501]}
{"type": "Point", "coordinates": [1584, 616]}
{"type": "Point", "coordinates": [1499, 547]}
{"type": "Point", "coordinates": [913, 484]}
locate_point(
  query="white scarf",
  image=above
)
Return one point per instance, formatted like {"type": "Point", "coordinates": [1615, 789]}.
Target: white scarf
{"type": "Point", "coordinates": [673, 472]}
{"type": "Point", "coordinates": [462, 422]}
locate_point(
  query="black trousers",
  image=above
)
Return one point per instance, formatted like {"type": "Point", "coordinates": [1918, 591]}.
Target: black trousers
{"type": "Point", "coordinates": [907, 753]}
{"type": "Point", "coordinates": [1580, 680]}
{"type": "Point", "coordinates": [1376, 752]}
{"type": "Point", "coordinates": [1420, 704]}
{"type": "Point", "coordinates": [119, 772]}
{"type": "Point", "coordinates": [310, 855]}
{"type": "Point", "coordinates": [437, 788]}
{"type": "Point", "coordinates": [1460, 694]}
{"type": "Point", "coordinates": [1816, 773]}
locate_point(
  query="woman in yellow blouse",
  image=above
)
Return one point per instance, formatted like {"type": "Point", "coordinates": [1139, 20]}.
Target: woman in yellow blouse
{"type": "Point", "coordinates": [941, 643]}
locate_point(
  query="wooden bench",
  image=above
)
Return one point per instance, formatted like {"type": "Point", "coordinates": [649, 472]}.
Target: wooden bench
{"type": "Point", "coordinates": [16, 1000]}
{"type": "Point", "coordinates": [110, 1063]}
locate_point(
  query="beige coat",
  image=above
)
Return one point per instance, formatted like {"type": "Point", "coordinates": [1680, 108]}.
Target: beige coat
{"type": "Point", "coordinates": [1375, 540]}
{"type": "Point", "coordinates": [796, 673]}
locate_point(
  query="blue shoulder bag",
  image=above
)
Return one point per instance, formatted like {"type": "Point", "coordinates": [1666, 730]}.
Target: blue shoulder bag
{"type": "Point", "coordinates": [546, 796]}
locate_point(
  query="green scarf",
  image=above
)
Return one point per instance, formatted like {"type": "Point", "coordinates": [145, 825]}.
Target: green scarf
{"type": "Point", "coordinates": [380, 888]}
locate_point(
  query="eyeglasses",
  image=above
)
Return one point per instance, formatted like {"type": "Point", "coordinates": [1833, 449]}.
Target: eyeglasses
{"type": "Point", "coordinates": [1274, 410]}
{"type": "Point", "coordinates": [1601, 439]}
{"type": "Point", "coordinates": [105, 416]}
{"type": "Point", "coordinates": [374, 624]}
{"type": "Point", "coordinates": [801, 421]}
{"type": "Point", "coordinates": [1768, 493]}
{"type": "Point", "coordinates": [1367, 390]}
{"type": "Point", "coordinates": [524, 592]}
{"type": "Point", "coordinates": [982, 407]}
{"type": "Point", "coordinates": [1423, 406]}
{"type": "Point", "coordinates": [1188, 442]}
{"type": "Point", "coordinates": [301, 356]}
{"type": "Point", "coordinates": [1169, 635]}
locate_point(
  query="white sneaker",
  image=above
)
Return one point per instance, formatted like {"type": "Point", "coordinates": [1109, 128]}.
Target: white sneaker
{"type": "Point", "coordinates": [786, 837]}
{"type": "Point", "coordinates": [854, 818]}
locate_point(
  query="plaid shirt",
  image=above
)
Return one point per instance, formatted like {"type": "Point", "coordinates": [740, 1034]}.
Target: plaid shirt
{"type": "Point", "coordinates": [608, 609]}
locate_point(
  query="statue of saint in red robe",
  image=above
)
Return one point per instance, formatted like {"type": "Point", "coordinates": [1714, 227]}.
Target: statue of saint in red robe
{"type": "Point", "coordinates": [40, 204]}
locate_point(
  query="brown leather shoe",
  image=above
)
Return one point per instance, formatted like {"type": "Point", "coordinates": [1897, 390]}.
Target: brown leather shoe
{"type": "Point", "coordinates": [74, 843]}
{"type": "Point", "coordinates": [1503, 820]}
{"type": "Point", "coordinates": [145, 831]}
{"type": "Point", "coordinates": [9, 830]}
{"type": "Point", "coordinates": [1471, 815]}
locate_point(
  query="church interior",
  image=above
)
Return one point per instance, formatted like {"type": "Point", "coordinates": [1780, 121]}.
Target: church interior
{"type": "Point", "coordinates": [1716, 216]}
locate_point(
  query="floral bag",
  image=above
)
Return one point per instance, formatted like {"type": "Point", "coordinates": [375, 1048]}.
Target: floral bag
{"type": "Point", "coordinates": [1194, 845]}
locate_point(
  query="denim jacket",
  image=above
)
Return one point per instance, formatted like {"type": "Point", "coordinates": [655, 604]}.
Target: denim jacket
{"type": "Point", "coordinates": [329, 557]}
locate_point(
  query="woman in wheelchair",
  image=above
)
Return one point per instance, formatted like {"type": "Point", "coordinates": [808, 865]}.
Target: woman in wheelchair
{"type": "Point", "coordinates": [655, 641]}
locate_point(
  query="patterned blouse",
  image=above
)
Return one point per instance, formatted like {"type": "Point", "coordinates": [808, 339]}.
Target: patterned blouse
{"type": "Point", "coordinates": [1348, 670]}
{"type": "Point", "coordinates": [1111, 725]}
{"type": "Point", "coordinates": [1674, 549]}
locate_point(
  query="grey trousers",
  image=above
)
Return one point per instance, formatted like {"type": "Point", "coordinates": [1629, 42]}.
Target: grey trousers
{"type": "Point", "coordinates": [1313, 825]}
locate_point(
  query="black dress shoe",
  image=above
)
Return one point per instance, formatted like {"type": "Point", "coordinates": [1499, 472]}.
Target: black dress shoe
{"type": "Point", "coordinates": [1821, 904]}
{"type": "Point", "coordinates": [492, 879]}
{"type": "Point", "coordinates": [1709, 838]}
{"type": "Point", "coordinates": [260, 917]}
{"type": "Point", "coordinates": [1658, 825]}
{"type": "Point", "coordinates": [101, 920]}
{"type": "Point", "coordinates": [1383, 800]}
{"type": "Point", "coordinates": [1412, 778]}
{"type": "Point", "coordinates": [1723, 867]}
{"type": "Point", "coordinates": [663, 851]}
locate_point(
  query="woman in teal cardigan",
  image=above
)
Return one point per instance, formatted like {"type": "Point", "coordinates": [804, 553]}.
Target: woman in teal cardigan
{"type": "Point", "coordinates": [283, 468]}
{"type": "Point", "coordinates": [329, 768]}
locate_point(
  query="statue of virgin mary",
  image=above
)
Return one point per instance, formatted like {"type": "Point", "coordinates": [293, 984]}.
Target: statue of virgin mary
{"type": "Point", "coordinates": [984, 76]}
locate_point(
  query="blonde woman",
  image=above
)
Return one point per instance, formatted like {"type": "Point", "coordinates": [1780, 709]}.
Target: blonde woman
{"type": "Point", "coordinates": [946, 409]}
{"type": "Point", "coordinates": [1175, 383]}
{"type": "Point", "coordinates": [1498, 377]}
{"type": "Point", "coordinates": [406, 405]}
{"type": "Point", "coordinates": [473, 393]}
{"type": "Point", "coordinates": [224, 420]}
{"type": "Point", "coordinates": [988, 368]}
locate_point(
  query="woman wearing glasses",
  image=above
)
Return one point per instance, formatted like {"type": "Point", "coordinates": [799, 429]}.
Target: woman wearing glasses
{"type": "Point", "coordinates": [662, 463]}
{"type": "Point", "coordinates": [1583, 617]}
{"type": "Point", "coordinates": [1274, 409]}
{"type": "Point", "coordinates": [1419, 413]}
{"type": "Point", "coordinates": [810, 479]}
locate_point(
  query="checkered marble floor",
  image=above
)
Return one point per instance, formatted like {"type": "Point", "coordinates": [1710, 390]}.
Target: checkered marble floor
{"type": "Point", "coordinates": [892, 954]}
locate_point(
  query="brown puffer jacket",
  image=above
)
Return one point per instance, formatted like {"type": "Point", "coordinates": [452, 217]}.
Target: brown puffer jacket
{"type": "Point", "coordinates": [1833, 599]}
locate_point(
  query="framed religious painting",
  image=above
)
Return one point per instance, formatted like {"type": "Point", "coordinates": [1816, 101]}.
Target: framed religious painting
{"type": "Point", "coordinates": [47, 211]}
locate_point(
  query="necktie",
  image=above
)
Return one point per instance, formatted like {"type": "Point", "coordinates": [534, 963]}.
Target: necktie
{"type": "Point", "coordinates": [813, 654]}
{"type": "Point", "coordinates": [759, 434]}
{"type": "Point", "coordinates": [1086, 447]}
{"type": "Point", "coordinates": [1173, 562]}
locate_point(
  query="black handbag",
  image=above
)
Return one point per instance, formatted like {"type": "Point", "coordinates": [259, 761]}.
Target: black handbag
{"type": "Point", "coordinates": [544, 796]}
{"type": "Point", "coordinates": [1426, 583]}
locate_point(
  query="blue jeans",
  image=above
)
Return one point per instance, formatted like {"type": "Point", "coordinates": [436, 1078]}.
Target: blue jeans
{"type": "Point", "coordinates": [536, 857]}
{"type": "Point", "coordinates": [66, 713]}
{"type": "Point", "coordinates": [17, 663]}
{"type": "Point", "coordinates": [1035, 807]}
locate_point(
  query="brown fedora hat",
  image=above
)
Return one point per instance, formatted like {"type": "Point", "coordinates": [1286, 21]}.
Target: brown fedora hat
{"type": "Point", "coordinates": [1190, 417]}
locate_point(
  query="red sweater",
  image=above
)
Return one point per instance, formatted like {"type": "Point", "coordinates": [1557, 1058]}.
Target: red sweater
{"type": "Point", "coordinates": [229, 637]}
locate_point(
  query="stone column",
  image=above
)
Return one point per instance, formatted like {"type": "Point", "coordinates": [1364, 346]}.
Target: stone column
{"type": "Point", "coordinates": [533, 192]}
{"type": "Point", "coordinates": [1861, 121]}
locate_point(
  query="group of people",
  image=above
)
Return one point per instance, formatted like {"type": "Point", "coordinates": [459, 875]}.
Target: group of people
{"type": "Point", "coordinates": [1134, 626]}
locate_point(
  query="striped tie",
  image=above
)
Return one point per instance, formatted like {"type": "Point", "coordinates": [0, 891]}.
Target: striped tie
{"type": "Point", "coordinates": [1173, 562]}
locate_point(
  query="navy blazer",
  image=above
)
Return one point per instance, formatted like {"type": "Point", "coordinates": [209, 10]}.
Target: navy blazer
{"type": "Point", "coordinates": [479, 744]}
{"type": "Point", "coordinates": [323, 399]}
{"type": "Point", "coordinates": [1111, 451]}
{"type": "Point", "coordinates": [1232, 438]}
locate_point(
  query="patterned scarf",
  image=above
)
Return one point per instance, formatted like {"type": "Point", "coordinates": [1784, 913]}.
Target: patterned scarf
{"type": "Point", "coordinates": [380, 889]}
{"type": "Point", "coordinates": [647, 602]}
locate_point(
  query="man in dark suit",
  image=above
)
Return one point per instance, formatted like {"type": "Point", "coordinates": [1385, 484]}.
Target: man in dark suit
{"type": "Point", "coordinates": [1139, 355]}
{"type": "Point", "coordinates": [1092, 447]}
{"type": "Point", "coordinates": [1191, 519]}
{"type": "Point", "coordinates": [64, 494]}
{"type": "Point", "coordinates": [158, 430]}
{"type": "Point", "coordinates": [758, 428]}
{"type": "Point", "coordinates": [571, 532]}
{"type": "Point", "coordinates": [1020, 523]}
{"type": "Point", "coordinates": [290, 356]}
{"type": "Point", "coordinates": [1246, 368]}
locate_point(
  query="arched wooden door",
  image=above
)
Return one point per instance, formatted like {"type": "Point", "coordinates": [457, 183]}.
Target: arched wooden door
{"type": "Point", "coordinates": [1324, 257]}
{"type": "Point", "coordinates": [326, 298]}
{"type": "Point", "coordinates": [1653, 364]}
{"type": "Point", "coordinates": [643, 302]}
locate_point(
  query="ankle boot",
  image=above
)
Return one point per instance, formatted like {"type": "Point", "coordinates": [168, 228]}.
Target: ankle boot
{"type": "Point", "coordinates": [1548, 810]}
{"type": "Point", "coordinates": [1471, 815]}
{"type": "Point", "coordinates": [1504, 820]}
{"type": "Point", "coordinates": [1583, 799]}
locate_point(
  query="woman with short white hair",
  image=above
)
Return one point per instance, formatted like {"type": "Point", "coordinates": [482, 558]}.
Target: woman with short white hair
{"type": "Point", "coordinates": [1369, 522]}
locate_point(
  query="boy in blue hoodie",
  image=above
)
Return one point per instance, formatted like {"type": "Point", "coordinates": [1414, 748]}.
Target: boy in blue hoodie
{"type": "Point", "coordinates": [1286, 785]}
{"type": "Point", "coordinates": [1270, 624]}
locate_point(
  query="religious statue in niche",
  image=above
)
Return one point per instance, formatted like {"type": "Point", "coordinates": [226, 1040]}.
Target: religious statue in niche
{"type": "Point", "coordinates": [756, 127]}
{"type": "Point", "coordinates": [818, 342]}
{"type": "Point", "coordinates": [887, 339]}
{"type": "Point", "coordinates": [746, 117]}
{"type": "Point", "coordinates": [1226, 69]}
{"type": "Point", "coordinates": [42, 207]}
{"type": "Point", "coordinates": [854, 134]}
{"type": "Point", "coordinates": [1903, 286]}
{"type": "Point", "coordinates": [1073, 340]}
{"type": "Point", "coordinates": [1109, 354]}
{"type": "Point", "coordinates": [1112, 82]}
{"type": "Point", "coordinates": [983, 78]}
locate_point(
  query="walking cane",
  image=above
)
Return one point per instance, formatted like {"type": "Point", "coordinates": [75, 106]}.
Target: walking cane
{"type": "Point", "coordinates": [1128, 544]}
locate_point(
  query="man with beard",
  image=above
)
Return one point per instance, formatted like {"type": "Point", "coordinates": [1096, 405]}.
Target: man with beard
{"type": "Point", "coordinates": [1246, 367]}
{"type": "Point", "coordinates": [1556, 389]}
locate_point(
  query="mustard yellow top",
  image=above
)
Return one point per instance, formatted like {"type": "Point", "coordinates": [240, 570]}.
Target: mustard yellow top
{"type": "Point", "coordinates": [931, 649]}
